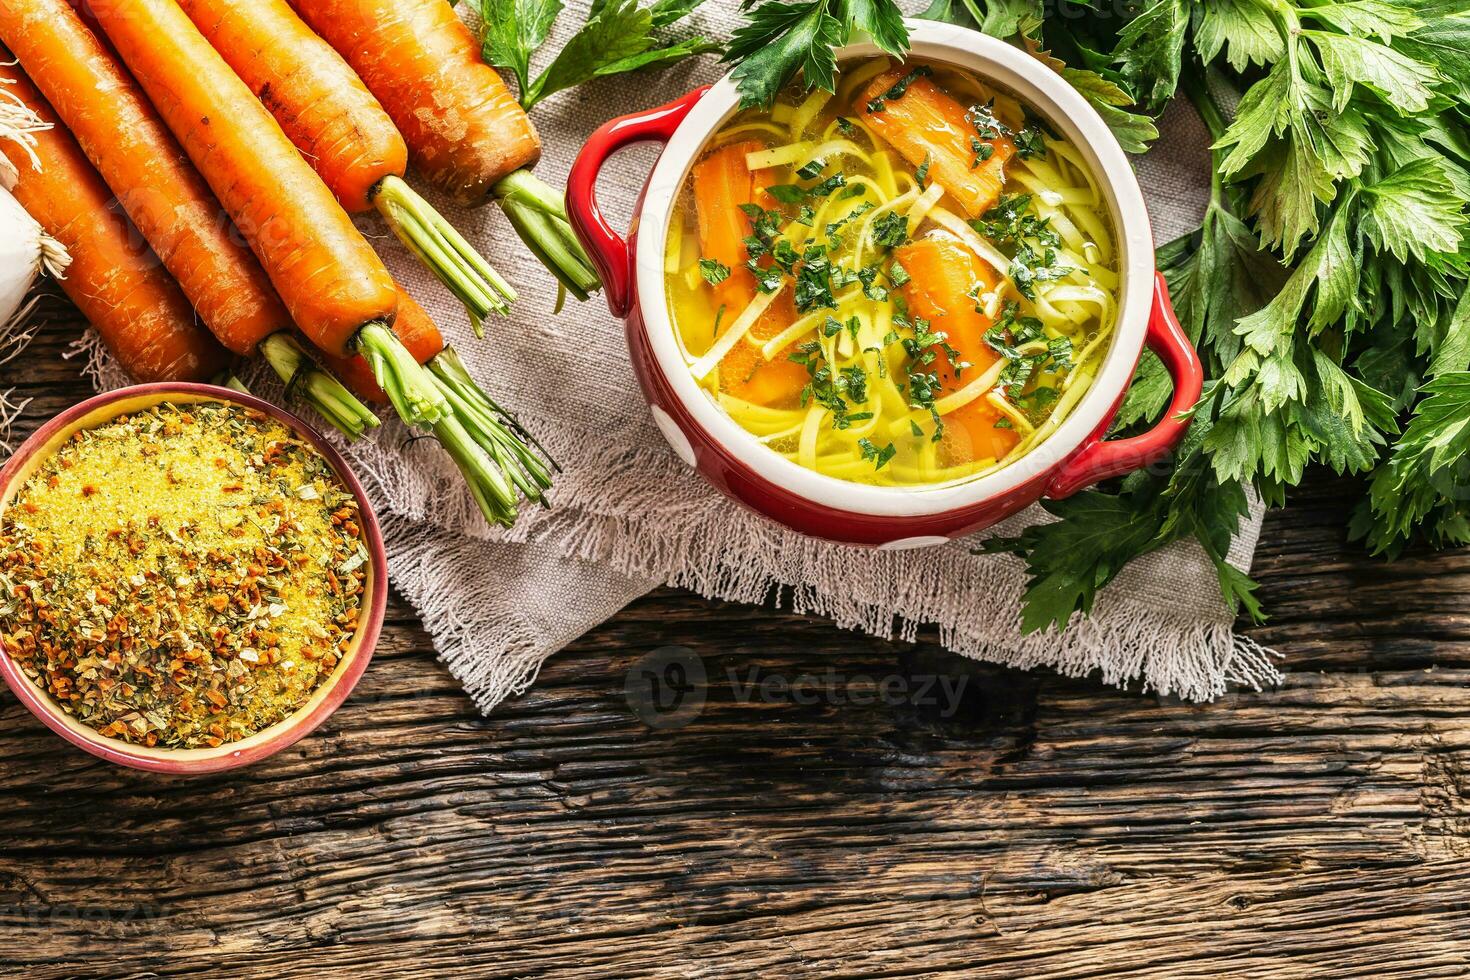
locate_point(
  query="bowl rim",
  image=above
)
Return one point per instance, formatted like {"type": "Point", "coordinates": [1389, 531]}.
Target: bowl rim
{"type": "Point", "coordinates": [327, 697]}
{"type": "Point", "coordinates": [1064, 108]}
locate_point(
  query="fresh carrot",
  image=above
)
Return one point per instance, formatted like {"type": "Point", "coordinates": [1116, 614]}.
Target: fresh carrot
{"type": "Point", "coordinates": [335, 285]}
{"type": "Point", "coordinates": [465, 130]}
{"type": "Point", "coordinates": [722, 182]}
{"type": "Point", "coordinates": [467, 135]}
{"type": "Point", "coordinates": [923, 123]}
{"type": "Point", "coordinates": [154, 182]}
{"type": "Point", "coordinates": [330, 278]}
{"type": "Point", "coordinates": [158, 187]}
{"type": "Point", "coordinates": [945, 278]}
{"type": "Point", "coordinates": [117, 282]}
{"type": "Point", "coordinates": [344, 133]}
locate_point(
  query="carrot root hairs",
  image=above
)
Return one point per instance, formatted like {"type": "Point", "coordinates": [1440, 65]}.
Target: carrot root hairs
{"type": "Point", "coordinates": [539, 216]}
{"type": "Point", "coordinates": [303, 376]}
{"type": "Point", "coordinates": [436, 243]}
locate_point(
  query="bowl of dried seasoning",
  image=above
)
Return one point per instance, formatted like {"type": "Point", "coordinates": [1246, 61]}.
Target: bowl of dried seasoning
{"type": "Point", "coordinates": [191, 579]}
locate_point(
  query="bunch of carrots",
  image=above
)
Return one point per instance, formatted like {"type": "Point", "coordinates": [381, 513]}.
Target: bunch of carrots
{"type": "Point", "coordinates": [214, 123]}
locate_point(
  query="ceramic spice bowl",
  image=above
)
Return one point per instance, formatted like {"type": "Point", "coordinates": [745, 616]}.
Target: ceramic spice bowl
{"type": "Point", "coordinates": [326, 697]}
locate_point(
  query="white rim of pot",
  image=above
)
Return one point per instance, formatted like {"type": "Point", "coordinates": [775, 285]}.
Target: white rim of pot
{"type": "Point", "coordinates": [1067, 112]}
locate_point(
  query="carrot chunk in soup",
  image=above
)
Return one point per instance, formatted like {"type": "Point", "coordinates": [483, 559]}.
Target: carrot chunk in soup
{"type": "Point", "coordinates": [945, 279]}
{"type": "Point", "coordinates": [923, 124]}
{"type": "Point", "coordinates": [722, 182]}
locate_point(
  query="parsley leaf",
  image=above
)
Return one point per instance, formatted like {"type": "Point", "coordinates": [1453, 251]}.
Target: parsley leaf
{"type": "Point", "coordinates": [617, 37]}
{"type": "Point", "coordinates": [1151, 50]}
{"type": "Point", "coordinates": [780, 39]}
{"type": "Point", "coordinates": [891, 229]}
{"type": "Point", "coordinates": [880, 457]}
{"type": "Point", "coordinates": [713, 271]}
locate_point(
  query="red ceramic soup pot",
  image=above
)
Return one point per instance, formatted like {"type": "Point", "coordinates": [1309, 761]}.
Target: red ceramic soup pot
{"type": "Point", "coordinates": [326, 699]}
{"type": "Point", "coordinates": [1077, 455]}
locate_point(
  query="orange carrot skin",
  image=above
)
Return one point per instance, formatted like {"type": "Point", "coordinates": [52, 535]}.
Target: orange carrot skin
{"type": "Point", "coordinates": [722, 182]}
{"type": "Point", "coordinates": [155, 183]}
{"type": "Point", "coordinates": [331, 280]}
{"type": "Point", "coordinates": [316, 97]}
{"type": "Point", "coordinates": [114, 278]}
{"type": "Point", "coordinates": [464, 128]}
{"type": "Point", "coordinates": [925, 123]}
{"type": "Point", "coordinates": [943, 276]}
{"type": "Point", "coordinates": [417, 332]}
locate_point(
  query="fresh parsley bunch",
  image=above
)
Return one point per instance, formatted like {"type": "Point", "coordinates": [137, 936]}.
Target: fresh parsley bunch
{"type": "Point", "coordinates": [781, 39]}
{"type": "Point", "coordinates": [619, 36]}
{"type": "Point", "coordinates": [1328, 288]}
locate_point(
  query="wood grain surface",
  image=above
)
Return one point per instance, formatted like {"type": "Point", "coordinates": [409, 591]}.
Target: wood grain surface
{"type": "Point", "coordinates": [820, 804]}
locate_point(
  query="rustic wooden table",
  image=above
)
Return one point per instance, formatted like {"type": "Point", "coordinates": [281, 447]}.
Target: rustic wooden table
{"type": "Point", "coordinates": [850, 826]}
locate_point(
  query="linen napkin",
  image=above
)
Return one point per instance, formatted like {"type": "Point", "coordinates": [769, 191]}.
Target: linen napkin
{"type": "Point", "coordinates": [628, 515]}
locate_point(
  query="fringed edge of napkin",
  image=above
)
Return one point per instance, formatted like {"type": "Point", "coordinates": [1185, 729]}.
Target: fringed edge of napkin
{"type": "Point", "coordinates": [1183, 656]}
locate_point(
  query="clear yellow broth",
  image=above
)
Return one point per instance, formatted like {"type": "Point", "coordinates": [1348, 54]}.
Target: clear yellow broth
{"type": "Point", "coordinates": [910, 281]}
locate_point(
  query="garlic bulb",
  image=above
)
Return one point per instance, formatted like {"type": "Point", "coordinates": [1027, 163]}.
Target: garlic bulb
{"type": "Point", "coordinates": [25, 251]}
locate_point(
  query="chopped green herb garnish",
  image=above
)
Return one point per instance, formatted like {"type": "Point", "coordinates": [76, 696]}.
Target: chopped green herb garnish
{"type": "Point", "coordinates": [1030, 142]}
{"type": "Point", "coordinates": [869, 278]}
{"type": "Point", "coordinates": [713, 271]}
{"type": "Point", "coordinates": [787, 193]}
{"type": "Point", "coordinates": [891, 229]}
{"type": "Point", "coordinates": [898, 88]}
{"type": "Point", "coordinates": [987, 125]}
{"type": "Point", "coordinates": [814, 281]}
{"type": "Point", "coordinates": [880, 457]}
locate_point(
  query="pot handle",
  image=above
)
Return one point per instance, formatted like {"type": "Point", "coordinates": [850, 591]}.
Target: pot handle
{"type": "Point", "coordinates": [607, 249]}
{"type": "Point", "coordinates": [1101, 459]}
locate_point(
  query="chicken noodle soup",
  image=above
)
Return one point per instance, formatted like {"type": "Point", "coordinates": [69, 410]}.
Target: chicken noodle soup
{"type": "Point", "coordinates": [910, 281]}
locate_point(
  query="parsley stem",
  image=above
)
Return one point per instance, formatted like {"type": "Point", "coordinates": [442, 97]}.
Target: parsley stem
{"type": "Point", "coordinates": [302, 376]}
{"type": "Point", "coordinates": [436, 243]}
{"type": "Point", "coordinates": [1197, 87]}
{"type": "Point", "coordinates": [538, 214]}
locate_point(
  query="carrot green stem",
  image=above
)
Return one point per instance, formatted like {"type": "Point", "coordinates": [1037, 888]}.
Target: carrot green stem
{"type": "Point", "coordinates": [304, 377]}
{"type": "Point", "coordinates": [494, 495]}
{"type": "Point", "coordinates": [539, 215]}
{"type": "Point", "coordinates": [412, 390]}
{"type": "Point", "coordinates": [458, 265]}
{"type": "Point", "coordinates": [495, 431]}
